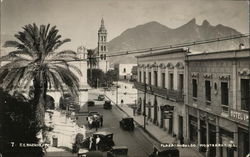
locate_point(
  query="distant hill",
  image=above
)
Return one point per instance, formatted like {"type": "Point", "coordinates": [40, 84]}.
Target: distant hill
{"type": "Point", "coordinates": [154, 34]}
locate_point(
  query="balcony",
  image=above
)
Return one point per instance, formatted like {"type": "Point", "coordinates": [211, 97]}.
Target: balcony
{"type": "Point", "coordinates": [166, 93]}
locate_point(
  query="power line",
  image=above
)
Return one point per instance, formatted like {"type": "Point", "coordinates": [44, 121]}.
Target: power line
{"type": "Point", "coordinates": [149, 50]}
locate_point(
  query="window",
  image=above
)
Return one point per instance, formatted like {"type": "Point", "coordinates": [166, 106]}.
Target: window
{"type": "Point", "coordinates": [224, 93]}
{"type": "Point", "coordinates": [101, 48]}
{"type": "Point", "coordinates": [245, 93]}
{"type": "Point", "coordinates": [194, 82]}
{"type": "Point", "coordinates": [101, 56]}
{"type": "Point", "coordinates": [125, 77]}
{"type": "Point", "coordinates": [180, 82]}
{"type": "Point", "coordinates": [208, 90]}
{"type": "Point", "coordinates": [149, 78]}
{"type": "Point", "coordinates": [140, 77]}
{"type": "Point", "coordinates": [124, 70]}
{"type": "Point", "coordinates": [104, 56]}
{"type": "Point", "coordinates": [104, 48]}
{"type": "Point", "coordinates": [155, 78]}
{"type": "Point", "coordinates": [163, 80]}
{"type": "Point", "coordinates": [171, 81]}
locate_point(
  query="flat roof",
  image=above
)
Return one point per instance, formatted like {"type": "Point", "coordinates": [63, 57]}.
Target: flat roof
{"type": "Point", "coordinates": [162, 52]}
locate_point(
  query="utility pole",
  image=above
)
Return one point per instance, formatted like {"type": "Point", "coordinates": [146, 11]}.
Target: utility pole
{"type": "Point", "coordinates": [248, 103]}
{"type": "Point", "coordinates": [144, 104]}
{"type": "Point", "coordinates": [117, 92]}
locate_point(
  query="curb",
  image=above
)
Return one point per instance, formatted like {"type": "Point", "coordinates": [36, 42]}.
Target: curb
{"type": "Point", "coordinates": [137, 123]}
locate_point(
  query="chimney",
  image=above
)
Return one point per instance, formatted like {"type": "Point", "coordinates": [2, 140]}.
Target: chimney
{"type": "Point", "coordinates": [241, 46]}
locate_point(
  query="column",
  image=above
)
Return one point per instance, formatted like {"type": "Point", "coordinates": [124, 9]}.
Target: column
{"type": "Point", "coordinates": [199, 127]}
{"type": "Point", "coordinates": [234, 85]}
{"type": "Point", "coordinates": [236, 140]}
{"type": "Point", "coordinates": [207, 138]}
{"type": "Point", "coordinates": [187, 131]}
{"type": "Point", "coordinates": [218, 149]}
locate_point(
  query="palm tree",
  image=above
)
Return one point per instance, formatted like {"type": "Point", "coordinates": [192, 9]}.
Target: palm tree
{"type": "Point", "coordinates": [36, 59]}
{"type": "Point", "coordinates": [92, 61]}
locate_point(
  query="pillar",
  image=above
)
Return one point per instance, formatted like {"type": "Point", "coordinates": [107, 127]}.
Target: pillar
{"type": "Point", "coordinates": [218, 149]}
{"type": "Point", "coordinates": [207, 137]}
{"type": "Point", "coordinates": [199, 127]}
{"type": "Point", "coordinates": [187, 131]}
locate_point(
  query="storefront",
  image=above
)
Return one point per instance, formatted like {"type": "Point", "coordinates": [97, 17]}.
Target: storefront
{"type": "Point", "coordinates": [167, 117]}
{"type": "Point", "coordinates": [193, 128]}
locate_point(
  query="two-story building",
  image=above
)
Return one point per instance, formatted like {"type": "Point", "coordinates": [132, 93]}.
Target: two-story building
{"type": "Point", "coordinates": [160, 85]}
{"type": "Point", "coordinates": [124, 71]}
{"type": "Point", "coordinates": [217, 101]}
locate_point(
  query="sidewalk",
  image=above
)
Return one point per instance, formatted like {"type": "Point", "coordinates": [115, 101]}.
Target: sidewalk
{"type": "Point", "coordinates": [152, 130]}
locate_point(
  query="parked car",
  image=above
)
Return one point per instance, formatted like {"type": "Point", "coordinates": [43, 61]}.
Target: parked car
{"type": "Point", "coordinates": [107, 105]}
{"type": "Point", "coordinates": [91, 103]}
{"type": "Point", "coordinates": [127, 123]}
{"type": "Point", "coordinates": [94, 119]}
{"type": "Point", "coordinates": [118, 151]}
{"type": "Point", "coordinates": [101, 97]}
{"type": "Point", "coordinates": [106, 141]}
{"type": "Point", "coordinates": [160, 151]}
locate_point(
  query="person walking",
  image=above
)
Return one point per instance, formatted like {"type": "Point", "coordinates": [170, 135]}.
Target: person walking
{"type": "Point", "coordinates": [97, 124]}
{"type": "Point", "coordinates": [98, 142]}
{"type": "Point", "coordinates": [91, 142]}
{"type": "Point", "coordinates": [122, 102]}
{"type": "Point", "coordinates": [101, 120]}
{"type": "Point", "coordinates": [175, 141]}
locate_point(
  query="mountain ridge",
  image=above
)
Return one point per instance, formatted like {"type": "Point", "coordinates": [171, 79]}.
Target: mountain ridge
{"type": "Point", "coordinates": [155, 34]}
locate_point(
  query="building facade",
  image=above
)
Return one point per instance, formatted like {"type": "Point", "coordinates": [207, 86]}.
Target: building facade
{"type": "Point", "coordinates": [217, 102]}
{"type": "Point", "coordinates": [124, 71]}
{"type": "Point", "coordinates": [160, 85]}
{"type": "Point", "coordinates": [102, 48]}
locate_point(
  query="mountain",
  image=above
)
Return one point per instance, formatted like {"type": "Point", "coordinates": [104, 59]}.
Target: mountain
{"type": "Point", "coordinates": [154, 34]}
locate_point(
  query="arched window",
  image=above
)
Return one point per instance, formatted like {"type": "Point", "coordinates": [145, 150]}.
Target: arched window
{"type": "Point", "coordinates": [104, 48]}
{"type": "Point", "coordinates": [101, 48]}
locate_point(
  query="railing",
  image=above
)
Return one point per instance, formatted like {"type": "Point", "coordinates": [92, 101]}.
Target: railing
{"type": "Point", "coordinates": [167, 93]}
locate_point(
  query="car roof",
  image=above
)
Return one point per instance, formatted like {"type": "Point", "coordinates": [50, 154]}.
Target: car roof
{"type": "Point", "coordinates": [103, 133]}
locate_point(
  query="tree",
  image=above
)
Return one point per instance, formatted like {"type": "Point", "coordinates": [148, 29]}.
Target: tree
{"type": "Point", "coordinates": [36, 60]}
{"type": "Point", "coordinates": [92, 61]}
{"type": "Point", "coordinates": [110, 77]}
{"type": "Point", "coordinates": [17, 126]}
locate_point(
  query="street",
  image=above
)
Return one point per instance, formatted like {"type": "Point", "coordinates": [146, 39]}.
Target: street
{"type": "Point", "coordinates": [138, 144]}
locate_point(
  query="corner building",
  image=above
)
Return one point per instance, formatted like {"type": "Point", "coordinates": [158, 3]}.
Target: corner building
{"type": "Point", "coordinates": [217, 101]}
{"type": "Point", "coordinates": [160, 86]}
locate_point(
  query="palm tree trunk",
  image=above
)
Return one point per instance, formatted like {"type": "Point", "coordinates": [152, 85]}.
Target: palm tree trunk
{"type": "Point", "coordinates": [39, 101]}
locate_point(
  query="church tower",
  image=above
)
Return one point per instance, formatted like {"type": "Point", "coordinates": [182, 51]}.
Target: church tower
{"type": "Point", "coordinates": [102, 49]}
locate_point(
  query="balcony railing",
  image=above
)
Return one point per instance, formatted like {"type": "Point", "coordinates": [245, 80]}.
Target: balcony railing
{"type": "Point", "coordinates": [167, 93]}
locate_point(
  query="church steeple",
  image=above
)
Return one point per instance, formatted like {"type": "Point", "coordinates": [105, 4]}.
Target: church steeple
{"type": "Point", "coordinates": [102, 48]}
{"type": "Point", "coordinates": [102, 39]}
{"type": "Point", "coordinates": [102, 28]}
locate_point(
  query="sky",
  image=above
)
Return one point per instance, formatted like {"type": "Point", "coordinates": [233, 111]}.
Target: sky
{"type": "Point", "coordinates": [80, 20]}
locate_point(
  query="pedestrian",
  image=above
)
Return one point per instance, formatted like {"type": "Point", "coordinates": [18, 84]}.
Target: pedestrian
{"type": "Point", "coordinates": [91, 138]}
{"type": "Point", "coordinates": [97, 124]}
{"type": "Point", "coordinates": [90, 122]}
{"type": "Point", "coordinates": [181, 139]}
{"type": "Point", "coordinates": [121, 102]}
{"type": "Point", "coordinates": [101, 120]}
{"type": "Point", "coordinates": [97, 142]}
{"type": "Point", "coordinates": [175, 141]}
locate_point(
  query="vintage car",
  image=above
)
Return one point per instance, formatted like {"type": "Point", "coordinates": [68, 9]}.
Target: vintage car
{"type": "Point", "coordinates": [94, 119]}
{"type": "Point", "coordinates": [160, 151]}
{"type": "Point", "coordinates": [85, 153]}
{"type": "Point", "coordinates": [106, 141]}
{"type": "Point", "coordinates": [118, 151]}
{"type": "Point", "coordinates": [127, 123]}
{"type": "Point", "coordinates": [107, 105]}
{"type": "Point", "coordinates": [91, 103]}
{"type": "Point", "coordinates": [101, 97]}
